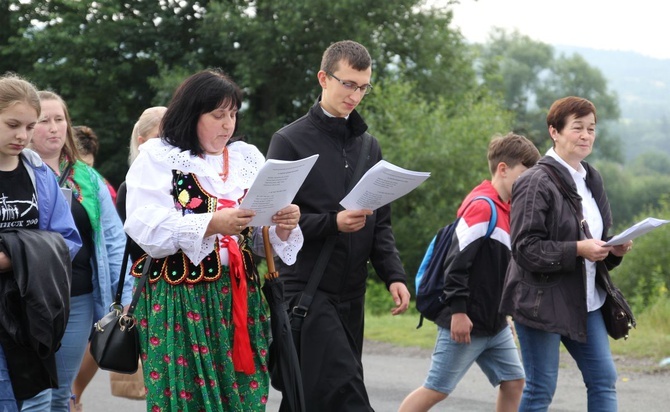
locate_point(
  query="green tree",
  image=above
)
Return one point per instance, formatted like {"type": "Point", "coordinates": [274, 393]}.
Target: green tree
{"type": "Point", "coordinates": [510, 66]}
{"type": "Point", "coordinates": [110, 60]}
{"type": "Point", "coordinates": [448, 139]}
{"type": "Point", "coordinates": [632, 192]}
{"type": "Point", "coordinates": [644, 274]}
{"type": "Point", "coordinates": [100, 56]}
{"type": "Point", "coordinates": [273, 48]}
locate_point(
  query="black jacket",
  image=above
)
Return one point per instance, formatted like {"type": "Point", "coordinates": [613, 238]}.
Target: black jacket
{"type": "Point", "coordinates": [34, 307]}
{"type": "Point", "coordinates": [545, 286]}
{"type": "Point", "coordinates": [338, 143]}
{"type": "Point", "coordinates": [475, 266]}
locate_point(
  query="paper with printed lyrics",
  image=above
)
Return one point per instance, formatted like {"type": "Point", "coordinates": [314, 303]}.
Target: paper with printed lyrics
{"type": "Point", "coordinates": [638, 229]}
{"type": "Point", "coordinates": [382, 184]}
{"type": "Point", "coordinates": [275, 187]}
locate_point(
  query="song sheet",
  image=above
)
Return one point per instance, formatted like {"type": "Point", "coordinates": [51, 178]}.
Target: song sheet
{"type": "Point", "coordinates": [382, 184]}
{"type": "Point", "coordinates": [638, 229]}
{"type": "Point", "coordinates": [275, 187]}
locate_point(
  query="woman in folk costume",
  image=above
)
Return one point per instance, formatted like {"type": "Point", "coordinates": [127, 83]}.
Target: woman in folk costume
{"type": "Point", "coordinates": [202, 322]}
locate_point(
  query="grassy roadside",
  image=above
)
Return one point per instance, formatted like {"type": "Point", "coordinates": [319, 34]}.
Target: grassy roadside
{"type": "Point", "coordinates": [650, 340]}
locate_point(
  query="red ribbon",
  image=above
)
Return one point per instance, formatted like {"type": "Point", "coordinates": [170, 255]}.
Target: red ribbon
{"type": "Point", "coordinates": [243, 359]}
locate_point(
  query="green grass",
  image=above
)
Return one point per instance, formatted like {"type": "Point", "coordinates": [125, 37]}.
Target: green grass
{"type": "Point", "coordinates": [401, 330]}
{"type": "Point", "coordinates": [651, 338]}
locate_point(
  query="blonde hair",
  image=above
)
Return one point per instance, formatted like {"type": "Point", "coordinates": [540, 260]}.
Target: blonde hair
{"type": "Point", "coordinates": [14, 89]}
{"type": "Point", "coordinates": [70, 147]}
{"type": "Point", "coordinates": [149, 119]}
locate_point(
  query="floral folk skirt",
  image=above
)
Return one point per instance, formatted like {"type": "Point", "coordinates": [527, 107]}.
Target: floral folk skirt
{"type": "Point", "coordinates": [186, 336]}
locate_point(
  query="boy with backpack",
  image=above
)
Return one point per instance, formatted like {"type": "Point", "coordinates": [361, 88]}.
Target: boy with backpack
{"type": "Point", "coordinates": [470, 327]}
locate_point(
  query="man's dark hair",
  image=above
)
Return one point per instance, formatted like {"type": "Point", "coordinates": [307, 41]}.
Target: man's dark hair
{"type": "Point", "coordinates": [353, 53]}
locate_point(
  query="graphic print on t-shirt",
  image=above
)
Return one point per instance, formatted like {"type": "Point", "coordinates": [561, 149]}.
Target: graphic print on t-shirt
{"type": "Point", "coordinates": [18, 203]}
{"type": "Point", "coordinates": [18, 213]}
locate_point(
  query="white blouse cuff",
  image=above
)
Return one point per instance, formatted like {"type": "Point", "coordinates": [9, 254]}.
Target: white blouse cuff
{"type": "Point", "coordinates": [287, 250]}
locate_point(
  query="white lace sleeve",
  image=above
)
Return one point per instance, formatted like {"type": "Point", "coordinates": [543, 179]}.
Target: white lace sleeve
{"type": "Point", "coordinates": [152, 220]}
{"type": "Point", "coordinates": [288, 250]}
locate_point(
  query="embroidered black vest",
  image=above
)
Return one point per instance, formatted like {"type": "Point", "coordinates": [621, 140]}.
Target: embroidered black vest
{"type": "Point", "coordinates": [189, 197]}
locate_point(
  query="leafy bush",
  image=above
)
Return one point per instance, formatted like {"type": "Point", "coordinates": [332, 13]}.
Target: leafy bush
{"type": "Point", "coordinates": [644, 274]}
{"type": "Point", "coordinates": [447, 139]}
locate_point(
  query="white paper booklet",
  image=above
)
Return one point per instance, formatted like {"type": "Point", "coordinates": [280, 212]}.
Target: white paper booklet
{"type": "Point", "coordinates": [382, 184]}
{"type": "Point", "coordinates": [275, 187]}
{"type": "Point", "coordinates": [638, 229]}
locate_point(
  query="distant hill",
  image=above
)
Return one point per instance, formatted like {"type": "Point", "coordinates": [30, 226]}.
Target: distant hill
{"type": "Point", "coordinates": [643, 86]}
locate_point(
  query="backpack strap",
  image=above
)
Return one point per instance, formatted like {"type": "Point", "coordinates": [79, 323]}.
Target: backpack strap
{"type": "Point", "coordinates": [494, 215]}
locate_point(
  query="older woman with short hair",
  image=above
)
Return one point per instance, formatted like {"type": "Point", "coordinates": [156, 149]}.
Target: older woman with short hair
{"type": "Point", "coordinates": [557, 280]}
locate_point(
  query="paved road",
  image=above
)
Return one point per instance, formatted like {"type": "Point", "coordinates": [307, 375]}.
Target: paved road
{"type": "Point", "coordinates": [391, 373]}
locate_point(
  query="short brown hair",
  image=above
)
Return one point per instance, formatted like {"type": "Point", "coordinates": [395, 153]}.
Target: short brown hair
{"type": "Point", "coordinates": [351, 52]}
{"type": "Point", "coordinates": [563, 108]}
{"type": "Point", "coordinates": [513, 149]}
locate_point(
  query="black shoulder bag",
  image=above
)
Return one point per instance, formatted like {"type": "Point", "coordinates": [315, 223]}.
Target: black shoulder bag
{"type": "Point", "coordinates": [617, 314]}
{"type": "Point", "coordinates": [115, 344]}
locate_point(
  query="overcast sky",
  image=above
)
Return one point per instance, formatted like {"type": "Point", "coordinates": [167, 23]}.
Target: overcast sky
{"type": "Point", "coordinates": [640, 26]}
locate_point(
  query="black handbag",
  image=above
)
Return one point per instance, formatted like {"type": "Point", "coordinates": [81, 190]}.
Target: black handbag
{"type": "Point", "coordinates": [115, 344]}
{"type": "Point", "coordinates": [618, 316]}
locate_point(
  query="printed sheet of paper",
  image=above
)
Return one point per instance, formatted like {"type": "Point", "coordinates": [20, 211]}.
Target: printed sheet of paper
{"type": "Point", "coordinates": [638, 229]}
{"type": "Point", "coordinates": [382, 184]}
{"type": "Point", "coordinates": [275, 187]}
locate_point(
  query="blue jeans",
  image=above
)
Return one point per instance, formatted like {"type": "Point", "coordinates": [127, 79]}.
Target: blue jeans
{"type": "Point", "coordinates": [497, 356]}
{"type": "Point", "coordinates": [540, 355]}
{"type": "Point", "coordinates": [68, 358]}
{"type": "Point", "coordinates": [7, 400]}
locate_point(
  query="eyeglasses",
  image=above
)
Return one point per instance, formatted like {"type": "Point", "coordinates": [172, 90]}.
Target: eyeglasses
{"type": "Point", "coordinates": [352, 87]}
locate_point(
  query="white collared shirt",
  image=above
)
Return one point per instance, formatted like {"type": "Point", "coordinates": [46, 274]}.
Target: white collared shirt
{"type": "Point", "coordinates": [595, 296]}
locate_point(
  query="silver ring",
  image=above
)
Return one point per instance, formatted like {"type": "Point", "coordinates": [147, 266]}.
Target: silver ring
{"type": "Point", "coordinates": [239, 227]}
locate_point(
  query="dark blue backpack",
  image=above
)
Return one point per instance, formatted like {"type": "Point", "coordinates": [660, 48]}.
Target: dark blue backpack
{"type": "Point", "coordinates": [430, 277]}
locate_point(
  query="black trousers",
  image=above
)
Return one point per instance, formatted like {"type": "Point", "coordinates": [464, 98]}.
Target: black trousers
{"type": "Point", "coordinates": [331, 345]}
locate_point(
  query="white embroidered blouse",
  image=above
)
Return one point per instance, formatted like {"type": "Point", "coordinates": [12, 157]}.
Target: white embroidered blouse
{"type": "Point", "coordinates": [155, 224]}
